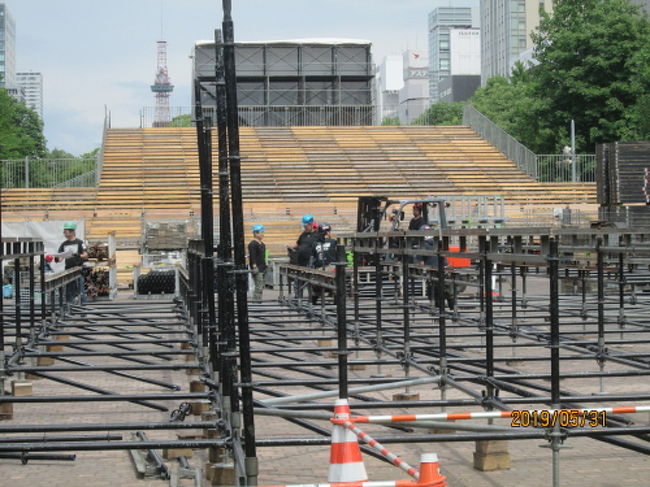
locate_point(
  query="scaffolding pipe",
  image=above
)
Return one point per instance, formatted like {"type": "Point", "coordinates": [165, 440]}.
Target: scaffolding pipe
{"type": "Point", "coordinates": [355, 390]}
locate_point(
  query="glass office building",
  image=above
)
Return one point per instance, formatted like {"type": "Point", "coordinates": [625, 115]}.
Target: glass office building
{"type": "Point", "coordinates": [506, 26]}
{"type": "Point", "coordinates": [447, 15]}
{"type": "Point", "coordinates": [32, 85]}
{"type": "Point", "coordinates": [7, 48]}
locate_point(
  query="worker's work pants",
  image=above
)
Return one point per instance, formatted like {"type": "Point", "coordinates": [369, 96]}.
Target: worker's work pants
{"type": "Point", "coordinates": [258, 280]}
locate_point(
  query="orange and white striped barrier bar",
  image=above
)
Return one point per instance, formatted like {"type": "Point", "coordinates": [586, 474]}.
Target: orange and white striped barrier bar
{"type": "Point", "coordinates": [383, 451]}
{"type": "Point", "coordinates": [400, 418]}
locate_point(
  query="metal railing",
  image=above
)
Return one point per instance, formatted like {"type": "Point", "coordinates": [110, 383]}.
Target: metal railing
{"type": "Point", "coordinates": [504, 142]}
{"type": "Point", "coordinates": [546, 168]}
{"type": "Point", "coordinates": [85, 180]}
{"type": "Point", "coordinates": [100, 152]}
{"type": "Point", "coordinates": [48, 173]}
{"type": "Point", "coordinates": [558, 168]}
{"type": "Point", "coordinates": [277, 116]}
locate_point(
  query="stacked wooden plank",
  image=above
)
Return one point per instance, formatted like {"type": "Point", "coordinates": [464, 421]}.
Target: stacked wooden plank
{"type": "Point", "coordinates": [152, 175]}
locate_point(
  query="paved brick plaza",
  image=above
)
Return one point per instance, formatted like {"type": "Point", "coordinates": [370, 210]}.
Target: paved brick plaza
{"type": "Point", "coordinates": [586, 462]}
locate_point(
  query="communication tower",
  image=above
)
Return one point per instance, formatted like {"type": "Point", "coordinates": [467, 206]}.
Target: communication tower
{"type": "Point", "coordinates": [162, 87]}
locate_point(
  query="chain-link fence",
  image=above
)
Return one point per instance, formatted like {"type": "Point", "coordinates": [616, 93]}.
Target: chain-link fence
{"type": "Point", "coordinates": [48, 173]}
{"type": "Point", "coordinates": [559, 168]}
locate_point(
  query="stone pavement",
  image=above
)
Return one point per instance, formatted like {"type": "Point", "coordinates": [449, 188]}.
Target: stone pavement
{"type": "Point", "coordinates": [586, 463]}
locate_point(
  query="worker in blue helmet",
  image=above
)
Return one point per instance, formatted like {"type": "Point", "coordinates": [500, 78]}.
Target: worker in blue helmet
{"type": "Point", "coordinates": [306, 240]}
{"type": "Point", "coordinates": [257, 261]}
{"type": "Point", "coordinates": [323, 255]}
{"type": "Point", "coordinates": [300, 252]}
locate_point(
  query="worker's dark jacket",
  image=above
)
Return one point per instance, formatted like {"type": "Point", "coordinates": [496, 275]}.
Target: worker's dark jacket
{"type": "Point", "coordinates": [306, 243]}
{"type": "Point", "coordinates": [256, 255]}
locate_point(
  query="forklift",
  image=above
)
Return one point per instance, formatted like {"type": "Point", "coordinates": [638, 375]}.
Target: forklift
{"type": "Point", "coordinates": [371, 210]}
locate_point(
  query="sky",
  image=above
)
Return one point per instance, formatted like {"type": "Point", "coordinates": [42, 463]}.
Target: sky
{"type": "Point", "coordinates": [95, 54]}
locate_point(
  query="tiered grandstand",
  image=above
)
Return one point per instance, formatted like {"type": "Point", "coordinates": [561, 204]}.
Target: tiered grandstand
{"type": "Point", "coordinates": [152, 174]}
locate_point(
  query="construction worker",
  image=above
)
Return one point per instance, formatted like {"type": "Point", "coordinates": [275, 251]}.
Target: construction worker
{"type": "Point", "coordinates": [418, 220]}
{"type": "Point", "coordinates": [432, 261]}
{"type": "Point", "coordinates": [323, 255]}
{"type": "Point", "coordinates": [300, 253]}
{"type": "Point", "coordinates": [257, 261]}
{"type": "Point", "coordinates": [324, 249]}
{"type": "Point", "coordinates": [74, 252]}
{"type": "Point", "coordinates": [306, 240]}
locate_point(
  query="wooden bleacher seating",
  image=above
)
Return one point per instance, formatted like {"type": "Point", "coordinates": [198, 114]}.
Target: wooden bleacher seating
{"type": "Point", "coordinates": [287, 171]}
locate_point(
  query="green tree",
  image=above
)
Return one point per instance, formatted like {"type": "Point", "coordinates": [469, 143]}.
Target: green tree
{"type": "Point", "coordinates": [513, 106]}
{"type": "Point", "coordinates": [59, 154]}
{"type": "Point", "coordinates": [593, 57]}
{"type": "Point", "coordinates": [90, 155]}
{"type": "Point", "coordinates": [181, 121]}
{"type": "Point", "coordinates": [390, 121]}
{"type": "Point", "coordinates": [21, 130]}
{"type": "Point", "coordinates": [442, 114]}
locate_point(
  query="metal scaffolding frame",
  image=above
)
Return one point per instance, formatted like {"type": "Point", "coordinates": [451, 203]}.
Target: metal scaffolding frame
{"type": "Point", "coordinates": [398, 305]}
{"type": "Point", "coordinates": [144, 335]}
{"type": "Point", "coordinates": [374, 310]}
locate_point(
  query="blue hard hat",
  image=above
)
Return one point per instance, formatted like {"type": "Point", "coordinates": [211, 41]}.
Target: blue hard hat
{"type": "Point", "coordinates": [306, 219]}
{"type": "Point", "coordinates": [258, 228]}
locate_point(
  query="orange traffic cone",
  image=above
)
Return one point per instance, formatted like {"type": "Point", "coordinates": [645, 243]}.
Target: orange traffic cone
{"type": "Point", "coordinates": [346, 464]}
{"type": "Point", "coordinates": [430, 475]}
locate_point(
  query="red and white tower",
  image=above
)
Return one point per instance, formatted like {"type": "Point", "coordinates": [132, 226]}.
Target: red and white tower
{"type": "Point", "coordinates": [162, 87]}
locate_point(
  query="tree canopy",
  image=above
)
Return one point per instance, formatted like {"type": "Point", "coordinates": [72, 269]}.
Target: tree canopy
{"type": "Point", "coordinates": [59, 154]}
{"type": "Point", "coordinates": [181, 121]}
{"type": "Point", "coordinates": [594, 58]}
{"type": "Point", "coordinates": [21, 130]}
{"type": "Point", "coordinates": [441, 114]}
{"type": "Point", "coordinates": [390, 121]}
{"type": "Point", "coordinates": [90, 155]}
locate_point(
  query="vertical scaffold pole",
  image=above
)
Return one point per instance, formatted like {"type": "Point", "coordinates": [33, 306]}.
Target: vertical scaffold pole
{"type": "Point", "coordinates": [241, 278]}
{"type": "Point", "coordinates": [489, 317]}
{"type": "Point", "coordinates": [554, 310]}
{"type": "Point", "coordinates": [226, 303]}
{"type": "Point", "coordinates": [18, 317]}
{"type": "Point", "coordinates": [406, 311]}
{"type": "Point", "coordinates": [341, 322]}
{"type": "Point", "coordinates": [600, 264]}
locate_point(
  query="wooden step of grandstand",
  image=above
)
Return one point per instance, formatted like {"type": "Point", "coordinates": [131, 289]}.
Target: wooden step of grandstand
{"type": "Point", "coordinates": [286, 172]}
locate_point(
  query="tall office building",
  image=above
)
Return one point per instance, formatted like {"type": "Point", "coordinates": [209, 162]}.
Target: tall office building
{"type": "Point", "coordinates": [465, 67]}
{"type": "Point", "coordinates": [388, 81]}
{"type": "Point", "coordinates": [414, 96]}
{"type": "Point", "coordinates": [7, 48]}
{"type": "Point", "coordinates": [32, 85]}
{"type": "Point", "coordinates": [506, 26]}
{"type": "Point", "coordinates": [446, 16]}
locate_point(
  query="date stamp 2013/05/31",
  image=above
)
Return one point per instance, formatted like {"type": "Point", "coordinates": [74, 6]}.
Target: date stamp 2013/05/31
{"type": "Point", "coordinates": [564, 418]}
